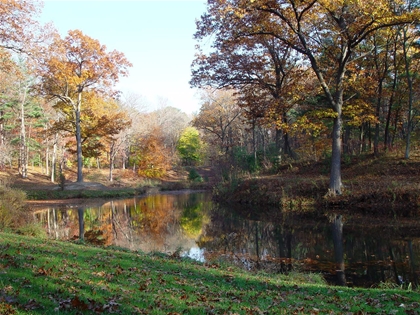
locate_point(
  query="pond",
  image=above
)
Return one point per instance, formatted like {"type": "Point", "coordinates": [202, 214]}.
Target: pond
{"type": "Point", "coordinates": [345, 249]}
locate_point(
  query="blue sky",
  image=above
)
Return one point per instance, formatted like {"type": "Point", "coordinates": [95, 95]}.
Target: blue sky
{"type": "Point", "coordinates": [155, 36]}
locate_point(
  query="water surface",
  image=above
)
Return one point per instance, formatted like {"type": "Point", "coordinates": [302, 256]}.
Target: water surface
{"type": "Point", "coordinates": [343, 248]}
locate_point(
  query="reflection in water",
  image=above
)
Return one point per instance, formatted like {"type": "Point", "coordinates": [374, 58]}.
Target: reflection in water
{"type": "Point", "coordinates": [345, 250]}
{"type": "Point", "coordinates": [337, 235]}
{"type": "Point", "coordinates": [80, 214]}
{"type": "Point", "coordinates": [164, 223]}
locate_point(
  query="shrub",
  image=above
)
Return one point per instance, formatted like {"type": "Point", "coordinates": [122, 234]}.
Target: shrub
{"type": "Point", "coordinates": [13, 209]}
{"type": "Point", "coordinates": [32, 229]}
{"type": "Point", "coordinates": [194, 176]}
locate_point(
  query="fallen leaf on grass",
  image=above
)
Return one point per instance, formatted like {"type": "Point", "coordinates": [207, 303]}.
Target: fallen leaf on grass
{"type": "Point", "coordinates": [31, 305]}
{"type": "Point", "coordinates": [6, 309]}
{"type": "Point", "coordinates": [5, 298]}
{"type": "Point", "coordinates": [76, 303]}
{"type": "Point", "coordinates": [43, 272]}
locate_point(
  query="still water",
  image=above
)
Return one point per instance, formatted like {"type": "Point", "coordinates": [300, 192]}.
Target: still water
{"type": "Point", "coordinates": [344, 249]}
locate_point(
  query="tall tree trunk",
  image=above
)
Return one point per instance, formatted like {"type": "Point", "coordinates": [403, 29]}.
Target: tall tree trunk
{"type": "Point", "coordinates": [47, 159]}
{"type": "Point", "coordinates": [79, 140]}
{"type": "Point", "coordinates": [381, 77]}
{"type": "Point", "coordinates": [254, 142]}
{"type": "Point", "coordinates": [54, 159]}
{"type": "Point", "coordinates": [23, 157]}
{"type": "Point", "coordinates": [336, 102]}
{"type": "Point", "coordinates": [387, 138]}
{"type": "Point", "coordinates": [111, 160]}
{"type": "Point", "coordinates": [335, 175]}
{"type": "Point", "coordinates": [377, 124]}
{"type": "Point", "coordinates": [410, 94]}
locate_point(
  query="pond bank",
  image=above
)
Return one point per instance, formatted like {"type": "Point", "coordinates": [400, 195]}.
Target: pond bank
{"type": "Point", "coordinates": [387, 186]}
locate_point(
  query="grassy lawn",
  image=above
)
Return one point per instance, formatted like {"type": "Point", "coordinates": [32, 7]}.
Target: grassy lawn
{"type": "Point", "coordinates": [39, 276]}
{"type": "Point", "coordinates": [71, 194]}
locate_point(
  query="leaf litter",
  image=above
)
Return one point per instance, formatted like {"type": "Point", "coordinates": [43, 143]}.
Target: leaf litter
{"type": "Point", "coordinates": [50, 277]}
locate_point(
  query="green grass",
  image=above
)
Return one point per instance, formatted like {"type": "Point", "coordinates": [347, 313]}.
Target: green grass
{"type": "Point", "coordinates": [39, 276]}
{"type": "Point", "coordinates": [69, 194]}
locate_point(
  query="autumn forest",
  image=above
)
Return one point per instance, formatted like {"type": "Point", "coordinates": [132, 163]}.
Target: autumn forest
{"type": "Point", "coordinates": [299, 170]}
{"type": "Point", "coordinates": [280, 81]}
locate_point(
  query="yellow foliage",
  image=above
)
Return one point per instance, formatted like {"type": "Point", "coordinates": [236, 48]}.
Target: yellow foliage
{"type": "Point", "coordinates": [359, 112]}
{"type": "Point", "coordinates": [305, 124]}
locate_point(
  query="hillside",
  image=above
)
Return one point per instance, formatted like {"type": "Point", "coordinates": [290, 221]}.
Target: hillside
{"type": "Point", "coordinates": [386, 185]}
{"type": "Point", "coordinates": [40, 276]}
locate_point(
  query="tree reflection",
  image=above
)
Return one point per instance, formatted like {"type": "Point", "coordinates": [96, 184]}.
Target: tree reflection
{"type": "Point", "coordinates": [350, 253]}
{"type": "Point", "coordinates": [193, 217]}
{"type": "Point", "coordinates": [81, 220]}
{"type": "Point", "coordinates": [283, 237]}
{"type": "Point", "coordinates": [337, 234]}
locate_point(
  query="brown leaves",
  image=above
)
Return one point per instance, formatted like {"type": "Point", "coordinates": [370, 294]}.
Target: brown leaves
{"type": "Point", "coordinates": [76, 303]}
{"type": "Point", "coordinates": [17, 22]}
{"type": "Point", "coordinates": [76, 279]}
{"type": "Point", "coordinates": [43, 272]}
{"type": "Point", "coordinates": [9, 299]}
{"type": "Point", "coordinates": [6, 309]}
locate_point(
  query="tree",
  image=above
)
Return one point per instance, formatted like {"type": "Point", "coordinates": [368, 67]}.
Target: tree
{"type": "Point", "coordinates": [326, 33]}
{"type": "Point", "coordinates": [77, 64]}
{"type": "Point", "coordinates": [19, 108]}
{"type": "Point", "coordinates": [190, 146]}
{"type": "Point", "coordinates": [102, 121]}
{"type": "Point", "coordinates": [16, 23]}
{"type": "Point", "coordinates": [153, 157]}
{"type": "Point", "coordinates": [216, 118]}
{"type": "Point", "coordinates": [172, 122]}
{"type": "Point", "coordinates": [407, 41]}
{"type": "Point", "coordinates": [263, 71]}
{"type": "Point", "coordinates": [135, 106]}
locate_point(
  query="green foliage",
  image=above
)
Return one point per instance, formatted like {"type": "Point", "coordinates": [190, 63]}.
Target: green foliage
{"type": "Point", "coordinates": [194, 176]}
{"type": "Point", "coordinates": [261, 161]}
{"type": "Point", "coordinates": [70, 278]}
{"type": "Point", "coordinates": [190, 146]}
{"type": "Point", "coordinates": [36, 160]}
{"type": "Point", "coordinates": [192, 219]}
{"type": "Point", "coordinates": [69, 194]}
{"type": "Point", "coordinates": [245, 161]}
{"type": "Point", "coordinates": [231, 182]}
{"type": "Point", "coordinates": [32, 229]}
{"type": "Point", "coordinates": [149, 182]}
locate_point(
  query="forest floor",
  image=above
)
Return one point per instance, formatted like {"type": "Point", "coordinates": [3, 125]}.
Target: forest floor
{"type": "Point", "coordinates": [387, 185]}
{"type": "Point", "coordinates": [98, 178]}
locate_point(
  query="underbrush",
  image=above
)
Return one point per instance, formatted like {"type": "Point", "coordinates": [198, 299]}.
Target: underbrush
{"type": "Point", "coordinates": [387, 185]}
{"type": "Point", "coordinates": [15, 214]}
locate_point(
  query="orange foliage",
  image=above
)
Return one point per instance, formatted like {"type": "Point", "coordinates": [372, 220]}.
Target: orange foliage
{"type": "Point", "coordinates": [154, 159]}
{"type": "Point", "coordinates": [16, 23]}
